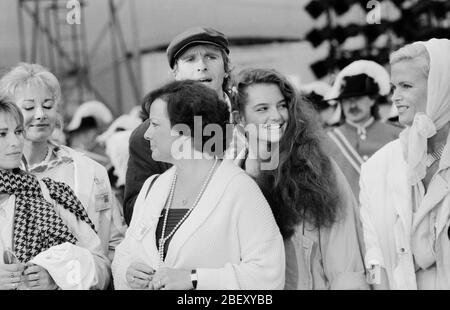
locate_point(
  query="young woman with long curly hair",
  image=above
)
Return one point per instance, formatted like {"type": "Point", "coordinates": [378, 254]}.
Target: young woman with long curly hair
{"type": "Point", "coordinates": [309, 196]}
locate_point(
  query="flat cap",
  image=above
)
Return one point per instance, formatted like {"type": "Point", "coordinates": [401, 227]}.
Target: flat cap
{"type": "Point", "coordinates": [194, 36]}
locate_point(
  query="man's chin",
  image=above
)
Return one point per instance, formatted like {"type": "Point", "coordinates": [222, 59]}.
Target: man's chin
{"type": "Point", "coordinates": [355, 118]}
{"type": "Point", "coordinates": [212, 85]}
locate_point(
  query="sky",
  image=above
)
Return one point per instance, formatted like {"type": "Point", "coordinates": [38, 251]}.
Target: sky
{"type": "Point", "coordinates": [148, 24]}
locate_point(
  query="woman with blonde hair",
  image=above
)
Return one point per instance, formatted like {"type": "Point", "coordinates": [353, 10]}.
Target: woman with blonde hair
{"type": "Point", "coordinates": [405, 185]}
{"type": "Point", "coordinates": [37, 92]}
{"type": "Point", "coordinates": [47, 240]}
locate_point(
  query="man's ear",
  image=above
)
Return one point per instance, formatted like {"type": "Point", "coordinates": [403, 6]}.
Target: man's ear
{"type": "Point", "coordinates": [173, 73]}
{"type": "Point", "coordinates": [174, 70]}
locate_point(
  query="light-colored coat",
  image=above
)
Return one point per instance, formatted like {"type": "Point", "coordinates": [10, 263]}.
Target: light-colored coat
{"type": "Point", "coordinates": [231, 236]}
{"type": "Point", "coordinates": [387, 218]}
{"type": "Point", "coordinates": [93, 189]}
{"type": "Point", "coordinates": [330, 258]}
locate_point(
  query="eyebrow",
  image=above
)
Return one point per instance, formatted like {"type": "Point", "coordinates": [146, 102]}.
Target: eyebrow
{"type": "Point", "coordinates": [188, 54]}
{"type": "Point", "coordinates": [45, 100]}
{"type": "Point", "coordinates": [401, 81]}
{"type": "Point", "coordinates": [18, 127]}
{"type": "Point", "coordinates": [260, 103]}
{"type": "Point", "coordinates": [212, 52]}
{"type": "Point", "coordinates": [206, 52]}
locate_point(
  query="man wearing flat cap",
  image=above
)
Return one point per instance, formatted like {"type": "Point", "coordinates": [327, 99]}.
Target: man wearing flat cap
{"type": "Point", "coordinates": [198, 54]}
{"type": "Point", "coordinates": [359, 88]}
{"type": "Point", "coordinates": [201, 54]}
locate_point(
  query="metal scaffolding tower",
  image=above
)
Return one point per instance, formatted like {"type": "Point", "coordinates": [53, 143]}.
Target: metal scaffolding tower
{"type": "Point", "coordinates": [62, 47]}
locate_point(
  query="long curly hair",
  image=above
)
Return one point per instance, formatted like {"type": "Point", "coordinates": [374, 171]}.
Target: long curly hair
{"type": "Point", "coordinates": [303, 186]}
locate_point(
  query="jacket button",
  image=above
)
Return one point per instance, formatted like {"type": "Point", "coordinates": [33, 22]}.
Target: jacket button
{"type": "Point", "coordinates": [402, 250]}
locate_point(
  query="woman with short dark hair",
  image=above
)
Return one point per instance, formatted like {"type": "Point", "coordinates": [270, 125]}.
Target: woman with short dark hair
{"type": "Point", "coordinates": [203, 223]}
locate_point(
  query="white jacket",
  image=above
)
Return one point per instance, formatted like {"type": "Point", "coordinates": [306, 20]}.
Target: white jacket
{"type": "Point", "coordinates": [92, 187]}
{"type": "Point", "coordinates": [387, 219]}
{"type": "Point", "coordinates": [231, 237]}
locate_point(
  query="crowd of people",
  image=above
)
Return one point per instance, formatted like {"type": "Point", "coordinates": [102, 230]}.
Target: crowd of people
{"type": "Point", "coordinates": [224, 180]}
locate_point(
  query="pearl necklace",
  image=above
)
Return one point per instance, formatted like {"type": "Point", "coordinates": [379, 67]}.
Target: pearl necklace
{"type": "Point", "coordinates": [432, 157]}
{"type": "Point", "coordinates": [48, 155]}
{"type": "Point", "coordinates": [163, 239]}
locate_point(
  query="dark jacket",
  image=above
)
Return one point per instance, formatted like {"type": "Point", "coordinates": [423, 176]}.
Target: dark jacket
{"type": "Point", "coordinates": [140, 167]}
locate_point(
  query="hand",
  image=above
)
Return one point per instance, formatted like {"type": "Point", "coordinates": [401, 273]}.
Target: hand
{"type": "Point", "coordinates": [139, 276]}
{"type": "Point", "coordinates": [172, 279]}
{"type": "Point", "coordinates": [10, 276]}
{"type": "Point", "coordinates": [38, 278]}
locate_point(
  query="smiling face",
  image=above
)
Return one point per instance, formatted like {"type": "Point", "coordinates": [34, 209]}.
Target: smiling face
{"type": "Point", "coordinates": [11, 142]}
{"type": "Point", "coordinates": [266, 106]}
{"type": "Point", "coordinates": [409, 85]}
{"type": "Point", "coordinates": [202, 63]}
{"type": "Point", "coordinates": [159, 132]}
{"type": "Point", "coordinates": [39, 110]}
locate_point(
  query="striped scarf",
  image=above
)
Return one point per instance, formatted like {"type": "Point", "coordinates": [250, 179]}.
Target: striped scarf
{"type": "Point", "coordinates": [37, 226]}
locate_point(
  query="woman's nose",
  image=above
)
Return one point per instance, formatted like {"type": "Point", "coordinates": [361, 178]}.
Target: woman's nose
{"type": "Point", "coordinates": [147, 134]}
{"type": "Point", "coordinates": [275, 115]}
{"type": "Point", "coordinates": [39, 113]}
{"type": "Point", "coordinates": [396, 95]}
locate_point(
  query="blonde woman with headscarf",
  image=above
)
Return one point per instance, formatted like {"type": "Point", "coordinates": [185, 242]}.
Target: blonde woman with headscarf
{"type": "Point", "coordinates": [405, 186]}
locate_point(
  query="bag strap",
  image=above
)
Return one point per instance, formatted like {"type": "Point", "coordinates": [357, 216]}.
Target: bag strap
{"type": "Point", "coordinates": [151, 184]}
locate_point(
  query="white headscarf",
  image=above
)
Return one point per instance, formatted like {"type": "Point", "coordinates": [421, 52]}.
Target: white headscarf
{"type": "Point", "coordinates": [425, 125]}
